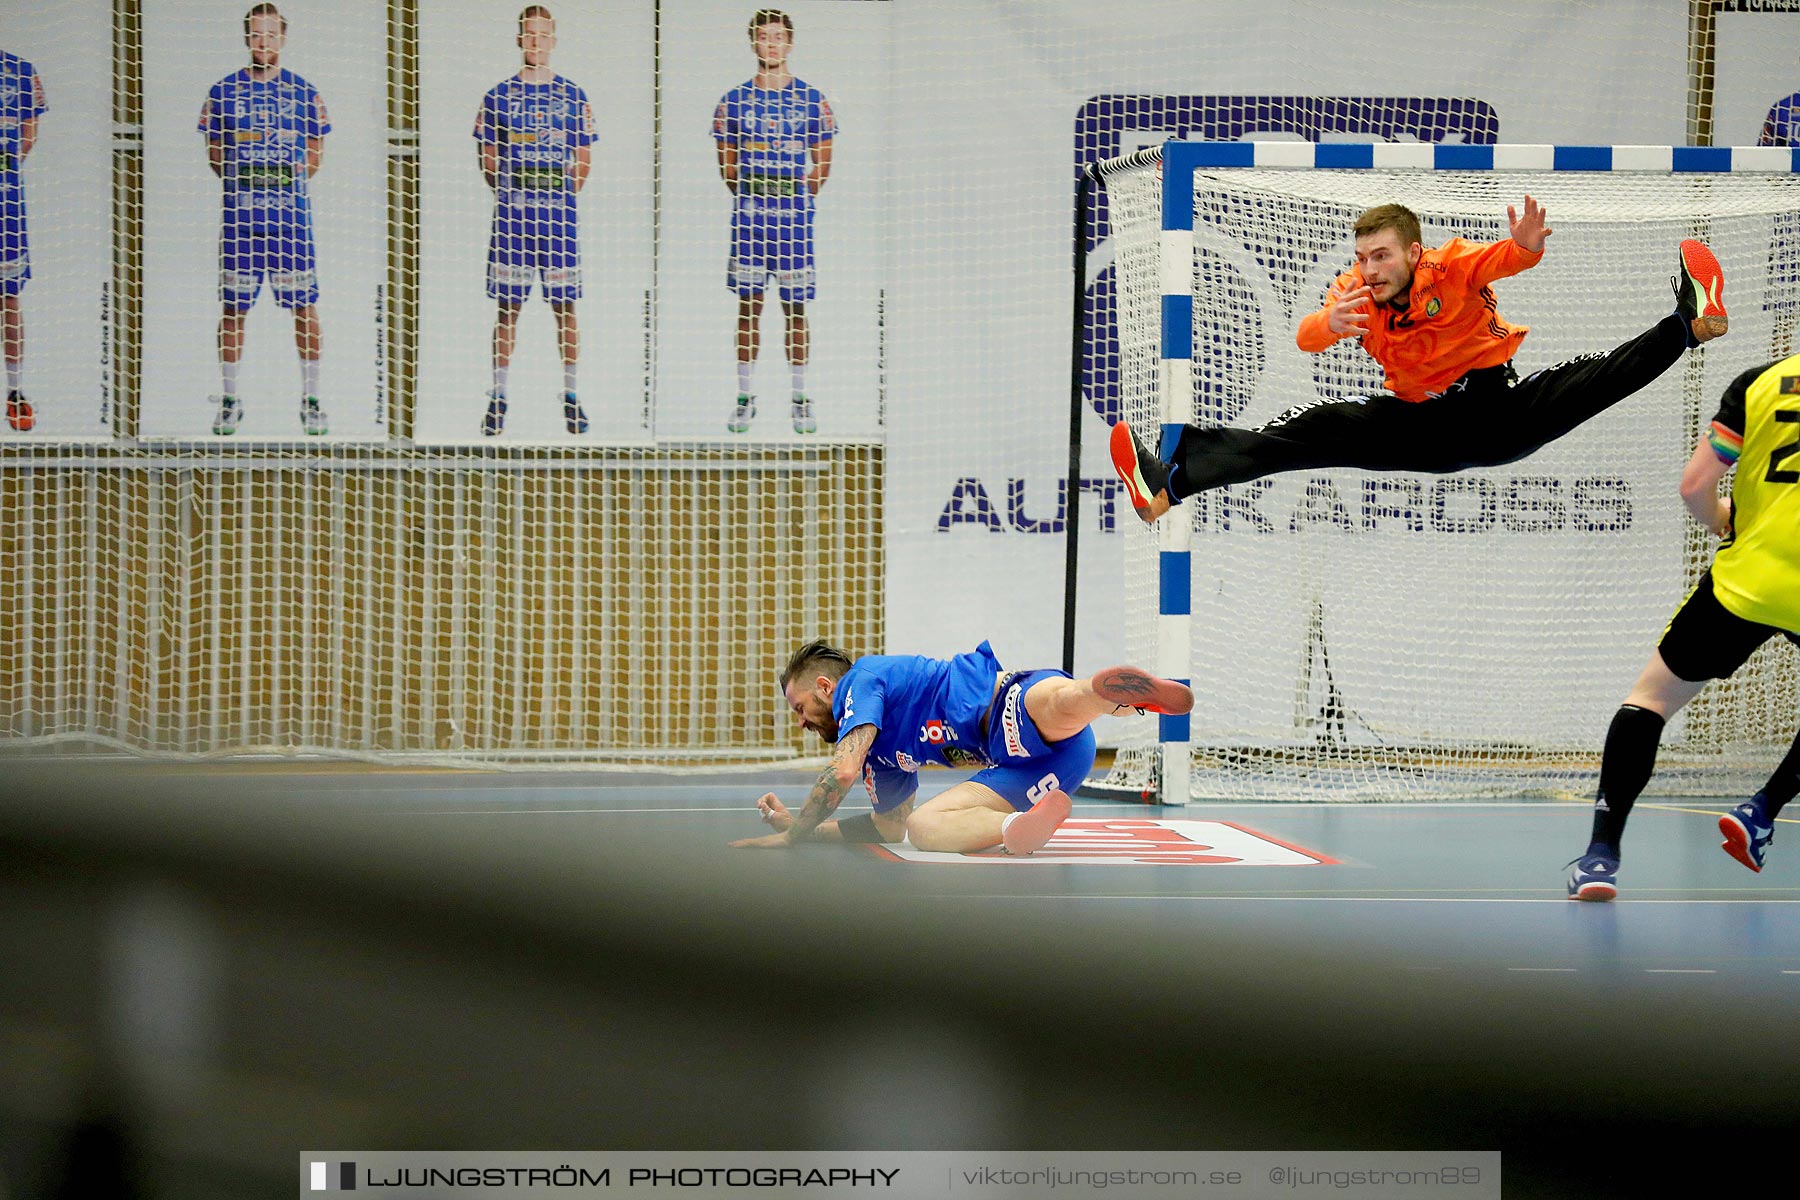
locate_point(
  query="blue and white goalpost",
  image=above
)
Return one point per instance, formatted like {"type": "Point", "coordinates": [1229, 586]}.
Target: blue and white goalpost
{"type": "Point", "coordinates": [1357, 635]}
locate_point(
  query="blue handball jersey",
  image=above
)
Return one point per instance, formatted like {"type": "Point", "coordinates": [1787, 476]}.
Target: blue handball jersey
{"type": "Point", "coordinates": [1782, 126]}
{"type": "Point", "coordinates": [21, 100]}
{"type": "Point", "coordinates": [925, 709]}
{"type": "Point", "coordinates": [537, 127]}
{"type": "Point", "coordinates": [264, 126]}
{"type": "Point", "coordinates": [774, 130]}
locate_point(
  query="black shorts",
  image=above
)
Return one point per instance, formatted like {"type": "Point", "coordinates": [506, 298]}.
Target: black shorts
{"type": "Point", "coordinates": [1706, 640]}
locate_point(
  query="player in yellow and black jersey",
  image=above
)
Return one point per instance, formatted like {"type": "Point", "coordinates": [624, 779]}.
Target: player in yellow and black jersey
{"type": "Point", "coordinates": [1750, 594]}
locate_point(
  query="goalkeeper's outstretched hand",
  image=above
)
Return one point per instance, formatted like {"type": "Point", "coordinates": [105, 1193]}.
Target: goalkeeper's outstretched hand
{"type": "Point", "coordinates": [1529, 230]}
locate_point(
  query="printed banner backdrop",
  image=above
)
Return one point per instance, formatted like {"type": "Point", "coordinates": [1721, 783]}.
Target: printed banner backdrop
{"type": "Point", "coordinates": [339, 47]}
{"type": "Point", "coordinates": [989, 321]}
{"type": "Point", "coordinates": [610, 55]}
{"type": "Point", "coordinates": [1758, 64]}
{"type": "Point", "coordinates": [67, 191]}
{"type": "Point", "coordinates": [842, 50]}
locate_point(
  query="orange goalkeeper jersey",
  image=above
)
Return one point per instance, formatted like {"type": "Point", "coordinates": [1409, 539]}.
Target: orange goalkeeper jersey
{"type": "Point", "coordinates": [1451, 324]}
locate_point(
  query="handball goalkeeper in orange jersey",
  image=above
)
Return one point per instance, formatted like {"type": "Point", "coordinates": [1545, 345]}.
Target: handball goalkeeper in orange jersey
{"type": "Point", "coordinates": [1454, 401]}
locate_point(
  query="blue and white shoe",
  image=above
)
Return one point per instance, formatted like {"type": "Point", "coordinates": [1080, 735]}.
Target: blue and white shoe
{"type": "Point", "coordinates": [804, 421]}
{"type": "Point", "coordinates": [574, 420]}
{"type": "Point", "coordinates": [742, 414]}
{"type": "Point", "coordinates": [231, 411]}
{"type": "Point", "coordinates": [1747, 830]}
{"type": "Point", "coordinates": [313, 421]}
{"type": "Point", "coordinates": [1594, 877]}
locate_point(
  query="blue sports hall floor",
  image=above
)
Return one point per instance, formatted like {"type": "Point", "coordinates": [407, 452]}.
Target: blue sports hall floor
{"type": "Point", "coordinates": [425, 958]}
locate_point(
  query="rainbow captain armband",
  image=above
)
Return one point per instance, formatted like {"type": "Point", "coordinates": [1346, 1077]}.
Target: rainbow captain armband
{"type": "Point", "coordinates": [1726, 443]}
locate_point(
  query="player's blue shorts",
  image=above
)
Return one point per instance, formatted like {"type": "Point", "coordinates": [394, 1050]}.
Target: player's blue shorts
{"type": "Point", "coordinates": [772, 238]}
{"type": "Point", "coordinates": [15, 249]}
{"type": "Point", "coordinates": [1025, 766]}
{"type": "Point", "coordinates": [281, 254]}
{"type": "Point", "coordinates": [524, 250]}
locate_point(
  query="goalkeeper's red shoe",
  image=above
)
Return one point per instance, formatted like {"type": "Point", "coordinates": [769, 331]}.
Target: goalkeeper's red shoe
{"type": "Point", "coordinates": [1700, 293]}
{"type": "Point", "coordinates": [18, 411]}
{"type": "Point", "coordinates": [1146, 477]}
{"type": "Point", "coordinates": [1128, 687]}
{"type": "Point", "coordinates": [1026, 832]}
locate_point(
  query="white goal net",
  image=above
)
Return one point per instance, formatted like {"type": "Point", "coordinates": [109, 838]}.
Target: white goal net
{"type": "Point", "coordinates": [1392, 636]}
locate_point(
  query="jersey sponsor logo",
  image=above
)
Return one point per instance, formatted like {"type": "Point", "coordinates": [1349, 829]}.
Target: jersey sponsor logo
{"type": "Point", "coordinates": [13, 268]}
{"type": "Point", "coordinates": [936, 732]}
{"type": "Point", "coordinates": [237, 281]}
{"type": "Point", "coordinates": [562, 276]}
{"type": "Point", "coordinates": [905, 761]}
{"type": "Point", "coordinates": [1790, 385]}
{"type": "Point", "coordinates": [291, 280]}
{"type": "Point", "coordinates": [1135, 842]}
{"type": "Point", "coordinates": [1433, 306]}
{"type": "Point", "coordinates": [849, 703]}
{"type": "Point", "coordinates": [963, 759]}
{"type": "Point", "coordinates": [511, 275]}
{"type": "Point", "coordinates": [1009, 722]}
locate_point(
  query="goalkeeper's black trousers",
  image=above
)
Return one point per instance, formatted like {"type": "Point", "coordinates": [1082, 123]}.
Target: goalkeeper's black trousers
{"type": "Point", "coordinates": [1486, 418]}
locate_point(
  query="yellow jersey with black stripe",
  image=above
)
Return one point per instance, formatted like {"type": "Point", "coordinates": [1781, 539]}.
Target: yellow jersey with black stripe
{"type": "Point", "coordinates": [1756, 573]}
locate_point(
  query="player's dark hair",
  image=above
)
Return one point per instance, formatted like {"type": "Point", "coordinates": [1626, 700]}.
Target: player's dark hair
{"type": "Point", "coordinates": [770, 16]}
{"type": "Point", "coordinates": [264, 9]}
{"type": "Point", "coordinates": [534, 10]}
{"type": "Point", "coordinates": [1397, 217]}
{"type": "Point", "coordinates": [817, 657]}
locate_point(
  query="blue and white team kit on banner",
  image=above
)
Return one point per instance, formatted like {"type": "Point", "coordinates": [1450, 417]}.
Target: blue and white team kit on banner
{"type": "Point", "coordinates": [773, 131]}
{"type": "Point", "coordinates": [21, 101]}
{"type": "Point", "coordinates": [263, 127]}
{"type": "Point", "coordinates": [536, 129]}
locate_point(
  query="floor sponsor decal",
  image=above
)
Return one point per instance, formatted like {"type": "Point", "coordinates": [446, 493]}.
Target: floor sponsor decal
{"type": "Point", "coordinates": [1141, 842]}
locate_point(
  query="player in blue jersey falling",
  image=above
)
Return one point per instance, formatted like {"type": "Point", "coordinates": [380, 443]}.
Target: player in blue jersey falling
{"type": "Point", "coordinates": [774, 136]}
{"type": "Point", "coordinates": [21, 104]}
{"type": "Point", "coordinates": [535, 133]}
{"type": "Point", "coordinates": [265, 133]}
{"type": "Point", "coordinates": [888, 715]}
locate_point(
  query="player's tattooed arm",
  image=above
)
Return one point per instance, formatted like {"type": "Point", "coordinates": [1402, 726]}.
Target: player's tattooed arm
{"type": "Point", "coordinates": [839, 776]}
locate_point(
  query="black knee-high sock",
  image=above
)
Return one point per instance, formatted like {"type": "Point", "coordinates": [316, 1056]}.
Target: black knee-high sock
{"type": "Point", "coordinates": [1625, 768]}
{"type": "Point", "coordinates": [1784, 783]}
